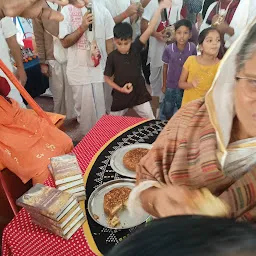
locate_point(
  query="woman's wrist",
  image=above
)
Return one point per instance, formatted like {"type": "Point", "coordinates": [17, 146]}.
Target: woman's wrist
{"type": "Point", "coordinates": [125, 15]}
{"type": "Point", "coordinates": [148, 198]}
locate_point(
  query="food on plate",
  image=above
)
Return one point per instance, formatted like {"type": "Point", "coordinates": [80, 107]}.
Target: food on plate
{"type": "Point", "coordinates": [133, 157]}
{"type": "Point", "coordinates": [96, 217]}
{"type": "Point", "coordinates": [210, 205]}
{"type": "Point", "coordinates": [113, 222]}
{"type": "Point", "coordinates": [115, 201]}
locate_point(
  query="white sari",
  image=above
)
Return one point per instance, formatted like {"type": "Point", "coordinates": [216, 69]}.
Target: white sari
{"type": "Point", "coordinates": [244, 15]}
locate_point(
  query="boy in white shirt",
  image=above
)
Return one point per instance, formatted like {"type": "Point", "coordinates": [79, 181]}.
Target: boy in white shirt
{"type": "Point", "coordinates": [87, 54]}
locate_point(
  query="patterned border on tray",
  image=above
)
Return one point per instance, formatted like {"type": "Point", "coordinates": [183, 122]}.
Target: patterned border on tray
{"type": "Point", "coordinates": [101, 239]}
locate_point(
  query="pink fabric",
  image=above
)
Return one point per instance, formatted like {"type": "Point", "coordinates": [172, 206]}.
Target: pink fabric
{"type": "Point", "coordinates": [23, 238]}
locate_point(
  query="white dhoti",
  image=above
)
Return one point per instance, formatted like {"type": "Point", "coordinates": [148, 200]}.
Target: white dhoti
{"type": "Point", "coordinates": [156, 81]}
{"type": "Point", "coordinates": [143, 110]}
{"type": "Point", "coordinates": [89, 104]}
{"type": "Point", "coordinates": [61, 90]}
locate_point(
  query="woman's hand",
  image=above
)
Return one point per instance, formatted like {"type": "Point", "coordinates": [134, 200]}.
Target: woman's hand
{"type": "Point", "coordinates": [34, 8]}
{"type": "Point", "coordinates": [169, 201]}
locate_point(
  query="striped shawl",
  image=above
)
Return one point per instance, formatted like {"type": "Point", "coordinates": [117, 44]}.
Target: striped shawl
{"type": "Point", "coordinates": [184, 154]}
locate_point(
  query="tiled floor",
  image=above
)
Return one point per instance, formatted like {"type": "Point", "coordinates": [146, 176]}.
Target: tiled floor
{"type": "Point", "coordinates": [71, 127]}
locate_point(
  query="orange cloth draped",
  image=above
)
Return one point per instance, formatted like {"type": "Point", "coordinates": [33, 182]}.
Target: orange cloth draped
{"type": "Point", "coordinates": [27, 142]}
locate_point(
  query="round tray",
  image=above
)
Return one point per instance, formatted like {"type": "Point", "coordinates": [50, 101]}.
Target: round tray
{"type": "Point", "coordinates": [95, 205]}
{"type": "Point", "coordinates": [116, 161]}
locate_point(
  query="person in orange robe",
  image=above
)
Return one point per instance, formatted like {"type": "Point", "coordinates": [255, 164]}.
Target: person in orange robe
{"type": "Point", "coordinates": [27, 141]}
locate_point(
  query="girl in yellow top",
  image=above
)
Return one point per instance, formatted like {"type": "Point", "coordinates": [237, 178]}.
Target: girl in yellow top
{"type": "Point", "coordinates": [199, 71]}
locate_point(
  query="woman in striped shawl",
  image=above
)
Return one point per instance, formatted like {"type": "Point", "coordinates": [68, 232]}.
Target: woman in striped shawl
{"type": "Point", "coordinates": [209, 143]}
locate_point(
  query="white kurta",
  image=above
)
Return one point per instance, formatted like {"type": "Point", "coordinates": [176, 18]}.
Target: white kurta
{"type": "Point", "coordinates": [116, 7]}
{"type": "Point", "coordinates": [87, 82]}
{"type": "Point", "coordinates": [7, 30]}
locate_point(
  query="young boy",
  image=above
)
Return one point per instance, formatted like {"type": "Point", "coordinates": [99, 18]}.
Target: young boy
{"type": "Point", "coordinates": [174, 57]}
{"type": "Point", "coordinates": [124, 64]}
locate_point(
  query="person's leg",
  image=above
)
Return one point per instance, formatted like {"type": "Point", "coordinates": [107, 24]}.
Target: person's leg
{"type": "Point", "coordinates": [108, 97]}
{"type": "Point", "coordinates": [89, 104]}
{"type": "Point", "coordinates": [156, 78]}
{"type": "Point", "coordinates": [144, 110]}
{"type": "Point", "coordinates": [56, 84]}
{"type": "Point", "coordinates": [99, 100]}
{"type": "Point", "coordinates": [119, 113]}
{"type": "Point", "coordinates": [179, 96]}
{"type": "Point", "coordinates": [69, 101]}
{"type": "Point", "coordinates": [169, 103]}
{"type": "Point", "coordinates": [77, 91]}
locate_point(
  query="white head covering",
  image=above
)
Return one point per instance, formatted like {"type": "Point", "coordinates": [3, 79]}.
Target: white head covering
{"type": "Point", "coordinates": [220, 104]}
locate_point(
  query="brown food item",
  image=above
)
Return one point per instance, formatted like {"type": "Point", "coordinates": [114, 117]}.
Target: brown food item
{"type": "Point", "coordinates": [133, 157]}
{"type": "Point", "coordinates": [115, 200]}
{"type": "Point", "coordinates": [209, 205]}
{"type": "Point", "coordinates": [113, 222]}
{"type": "Point", "coordinates": [96, 217]}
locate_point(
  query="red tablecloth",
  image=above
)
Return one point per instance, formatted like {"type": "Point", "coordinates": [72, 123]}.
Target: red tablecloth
{"type": "Point", "coordinates": [23, 238]}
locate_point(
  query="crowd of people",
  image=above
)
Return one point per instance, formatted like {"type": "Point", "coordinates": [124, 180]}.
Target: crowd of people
{"type": "Point", "coordinates": [210, 142]}
{"type": "Point", "coordinates": [94, 60]}
{"type": "Point", "coordinates": [86, 72]}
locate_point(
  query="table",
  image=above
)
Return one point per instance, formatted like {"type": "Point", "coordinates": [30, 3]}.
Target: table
{"type": "Point", "coordinates": [37, 83]}
{"type": "Point", "coordinates": [23, 238]}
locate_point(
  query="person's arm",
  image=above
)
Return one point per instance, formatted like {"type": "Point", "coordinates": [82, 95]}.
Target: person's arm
{"type": "Point", "coordinates": [146, 17]}
{"type": "Point", "coordinates": [165, 70]}
{"type": "Point", "coordinates": [116, 87]}
{"type": "Point", "coordinates": [224, 28]}
{"type": "Point", "coordinates": [32, 9]}
{"type": "Point", "coordinates": [38, 29]}
{"type": "Point", "coordinates": [73, 38]}
{"type": "Point", "coordinates": [17, 56]}
{"type": "Point", "coordinates": [143, 25]}
{"type": "Point", "coordinates": [166, 60]}
{"type": "Point", "coordinates": [237, 194]}
{"type": "Point", "coordinates": [109, 73]}
{"type": "Point", "coordinates": [183, 84]}
{"type": "Point", "coordinates": [109, 27]}
{"type": "Point", "coordinates": [153, 22]}
{"type": "Point", "coordinates": [109, 46]}
{"type": "Point", "coordinates": [144, 3]}
{"type": "Point", "coordinates": [129, 12]}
